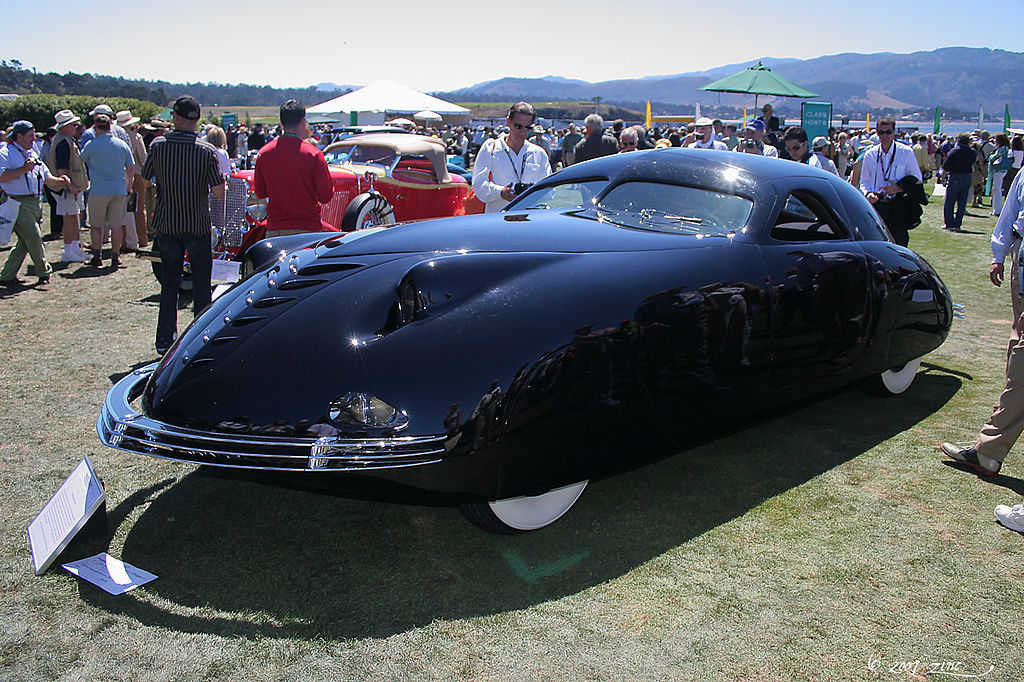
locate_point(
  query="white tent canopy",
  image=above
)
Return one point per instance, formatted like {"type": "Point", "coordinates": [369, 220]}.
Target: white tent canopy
{"type": "Point", "coordinates": [383, 98]}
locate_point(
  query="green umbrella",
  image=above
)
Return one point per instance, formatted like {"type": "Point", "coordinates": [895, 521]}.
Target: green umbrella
{"type": "Point", "coordinates": [758, 80]}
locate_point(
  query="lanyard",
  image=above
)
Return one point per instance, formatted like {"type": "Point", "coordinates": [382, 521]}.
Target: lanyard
{"type": "Point", "coordinates": [886, 170]}
{"type": "Point", "coordinates": [35, 171]}
{"type": "Point", "coordinates": [522, 166]}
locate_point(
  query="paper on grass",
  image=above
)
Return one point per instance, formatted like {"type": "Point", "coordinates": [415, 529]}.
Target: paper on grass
{"type": "Point", "coordinates": [78, 497]}
{"type": "Point", "coordinates": [939, 191]}
{"type": "Point", "coordinates": [113, 575]}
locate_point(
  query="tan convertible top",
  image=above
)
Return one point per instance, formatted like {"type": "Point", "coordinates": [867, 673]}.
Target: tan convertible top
{"type": "Point", "coordinates": [430, 148]}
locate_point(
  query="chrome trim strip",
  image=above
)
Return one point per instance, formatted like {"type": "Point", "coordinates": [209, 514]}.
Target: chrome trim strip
{"type": "Point", "coordinates": [121, 427]}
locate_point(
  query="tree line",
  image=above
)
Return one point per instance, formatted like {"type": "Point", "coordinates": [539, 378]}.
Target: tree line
{"type": "Point", "coordinates": [16, 79]}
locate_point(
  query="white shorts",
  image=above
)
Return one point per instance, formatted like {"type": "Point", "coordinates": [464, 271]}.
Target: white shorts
{"type": "Point", "coordinates": [69, 203]}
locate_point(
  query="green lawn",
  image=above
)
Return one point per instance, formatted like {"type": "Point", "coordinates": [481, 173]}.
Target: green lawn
{"type": "Point", "coordinates": [831, 543]}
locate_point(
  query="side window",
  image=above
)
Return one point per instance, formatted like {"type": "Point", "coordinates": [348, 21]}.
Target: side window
{"type": "Point", "coordinates": [805, 218]}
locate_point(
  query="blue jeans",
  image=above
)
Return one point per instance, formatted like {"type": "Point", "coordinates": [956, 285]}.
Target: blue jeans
{"type": "Point", "coordinates": [172, 255]}
{"type": "Point", "coordinates": [957, 190]}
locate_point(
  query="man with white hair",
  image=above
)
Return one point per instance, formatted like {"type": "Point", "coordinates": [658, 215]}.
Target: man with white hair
{"type": "Point", "coordinates": [704, 129]}
{"type": "Point", "coordinates": [596, 144]}
{"type": "Point", "coordinates": [628, 140]}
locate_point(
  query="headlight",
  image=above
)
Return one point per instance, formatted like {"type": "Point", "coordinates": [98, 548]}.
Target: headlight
{"type": "Point", "coordinates": [362, 410]}
{"type": "Point", "coordinates": [255, 207]}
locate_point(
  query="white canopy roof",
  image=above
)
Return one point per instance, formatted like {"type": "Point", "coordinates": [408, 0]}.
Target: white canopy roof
{"type": "Point", "coordinates": [387, 97]}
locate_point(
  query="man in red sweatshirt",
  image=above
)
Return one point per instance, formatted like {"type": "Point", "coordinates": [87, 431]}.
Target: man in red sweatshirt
{"type": "Point", "coordinates": [292, 175]}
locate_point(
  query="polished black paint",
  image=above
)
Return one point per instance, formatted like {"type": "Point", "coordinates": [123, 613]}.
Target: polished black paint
{"type": "Point", "coordinates": [549, 347]}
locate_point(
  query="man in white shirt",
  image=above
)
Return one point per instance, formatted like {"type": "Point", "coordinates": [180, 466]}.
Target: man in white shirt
{"type": "Point", "coordinates": [885, 165]}
{"type": "Point", "coordinates": [704, 128]}
{"type": "Point", "coordinates": [506, 166]}
{"type": "Point", "coordinates": [818, 148]}
{"type": "Point", "coordinates": [986, 454]}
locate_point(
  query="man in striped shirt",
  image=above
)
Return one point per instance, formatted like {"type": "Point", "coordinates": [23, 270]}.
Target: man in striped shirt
{"type": "Point", "coordinates": [185, 170]}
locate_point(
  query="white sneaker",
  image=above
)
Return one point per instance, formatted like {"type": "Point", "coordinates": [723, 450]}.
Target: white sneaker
{"type": "Point", "coordinates": [1011, 517]}
{"type": "Point", "coordinates": [71, 255]}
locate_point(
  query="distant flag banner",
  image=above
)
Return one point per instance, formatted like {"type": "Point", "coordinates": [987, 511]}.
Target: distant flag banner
{"type": "Point", "coordinates": [1006, 118]}
{"type": "Point", "coordinates": [981, 117]}
{"type": "Point", "coordinates": [937, 127]}
{"type": "Point", "coordinates": [867, 121]}
{"type": "Point", "coordinates": [696, 112]}
{"type": "Point", "coordinates": [647, 118]}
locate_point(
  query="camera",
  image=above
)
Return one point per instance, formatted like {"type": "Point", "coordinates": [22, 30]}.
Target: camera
{"type": "Point", "coordinates": [749, 144]}
{"type": "Point", "coordinates": [699, 137]}
{"type": "Point", "coordinates": [521, 187]}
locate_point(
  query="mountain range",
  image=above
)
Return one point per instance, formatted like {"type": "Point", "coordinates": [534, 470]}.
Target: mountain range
{"type": "Point", "coordinates": [958, 79]}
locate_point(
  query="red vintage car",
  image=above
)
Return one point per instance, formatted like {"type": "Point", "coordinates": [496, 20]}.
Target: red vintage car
{"type": "Point", "coordinates": [380, 179]}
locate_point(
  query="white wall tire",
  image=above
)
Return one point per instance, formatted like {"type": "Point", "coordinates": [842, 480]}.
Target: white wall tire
{"type": "Point", "coordinates": [526, 513]}
{"type": "Point", "coordinates": [898, 380]}
{"type": "Point", "coordinates": [367, 210]}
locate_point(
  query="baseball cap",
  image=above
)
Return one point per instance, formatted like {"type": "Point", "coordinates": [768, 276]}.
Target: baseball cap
{"type": "Point", "coordinates": [187, 107]}
{"type": "Point", "coordinates": [819, 143]}
{"type": "Point", "coordinates": [754, 124]}
{"type": "Point", "coordinates": [21, 127]}
{"type": "Point", "coordinates": [102, 109]}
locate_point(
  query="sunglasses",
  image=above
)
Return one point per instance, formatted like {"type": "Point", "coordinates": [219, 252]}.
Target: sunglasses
{"type": "Point", "coordinates": [884, 132]}
{"type": "Point", "coordinates": [791, 147]}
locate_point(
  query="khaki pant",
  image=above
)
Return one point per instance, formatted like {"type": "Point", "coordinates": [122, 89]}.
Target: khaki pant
{"type": "Point", "coordinates": [1006, 424]}
{"type": "Point", "coordinates": [29, 243]}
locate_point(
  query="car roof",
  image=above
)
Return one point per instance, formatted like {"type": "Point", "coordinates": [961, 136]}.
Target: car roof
{"type": "Point", "coordinates": [430, 148]}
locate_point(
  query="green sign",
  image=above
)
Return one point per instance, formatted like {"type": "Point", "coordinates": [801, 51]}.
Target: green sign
{"type": "Point", "coordinates": [815, 119]}
{"type": "Point", "coordinates": [228, 119]}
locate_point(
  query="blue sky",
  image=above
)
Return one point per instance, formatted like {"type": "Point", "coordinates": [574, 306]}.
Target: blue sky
{"type": "Point", "coordinates": [430, 46]}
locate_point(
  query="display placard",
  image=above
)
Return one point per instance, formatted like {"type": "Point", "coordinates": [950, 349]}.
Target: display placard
{"type": "Point", "coordinates": [77, 499]}
{"type": "Point", "coordinates": [815, 119]}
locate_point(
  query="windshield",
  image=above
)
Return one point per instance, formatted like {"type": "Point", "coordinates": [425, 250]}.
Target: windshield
{"type": "Point", "coordinates": [568, 195]}
{"type": "Point", "coordinates": [380, 156]}
{"type": "Point", "coordinates": [673, 208]}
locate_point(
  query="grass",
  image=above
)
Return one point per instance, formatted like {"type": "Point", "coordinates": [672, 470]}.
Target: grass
{"type": "Point", "coordinates": [831, 543]}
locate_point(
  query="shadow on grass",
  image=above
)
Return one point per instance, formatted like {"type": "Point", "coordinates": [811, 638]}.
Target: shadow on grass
{"type": "Point", "coordinates": [242, 559]}
{"type": "Point", "coordinates": [117, 376]}
{"type": "Point", "coordinates": [1015, 485]}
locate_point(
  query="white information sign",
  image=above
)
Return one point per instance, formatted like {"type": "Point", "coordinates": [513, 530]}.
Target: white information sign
{"type": "Point", "coordinates": [78, 497]}
{"type": "Point", "coordinates": [225, 270]}
{"type": "Point", "coordinates": [113, 575]}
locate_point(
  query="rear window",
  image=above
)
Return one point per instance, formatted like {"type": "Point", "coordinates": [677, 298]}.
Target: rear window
{"type": "Point", "coordinates": [674, 208]}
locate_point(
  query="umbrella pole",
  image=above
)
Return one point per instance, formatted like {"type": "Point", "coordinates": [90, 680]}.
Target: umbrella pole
{"type": "Point", "coordinates": [755, 103]}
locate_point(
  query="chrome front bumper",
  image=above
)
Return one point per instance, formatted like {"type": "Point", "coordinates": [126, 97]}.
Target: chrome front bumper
{"type": "Point", "coordinates": [122, 427]}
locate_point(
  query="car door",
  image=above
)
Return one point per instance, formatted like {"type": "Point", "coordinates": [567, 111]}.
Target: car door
{"type": "Point", "coordinates": [820, 290]}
